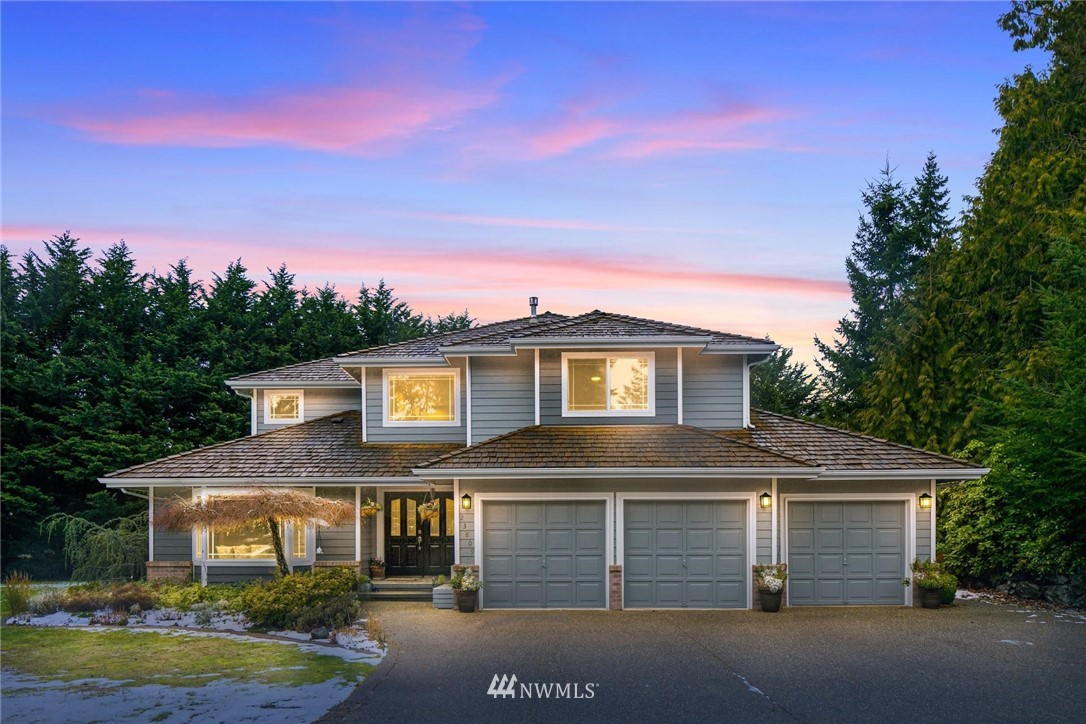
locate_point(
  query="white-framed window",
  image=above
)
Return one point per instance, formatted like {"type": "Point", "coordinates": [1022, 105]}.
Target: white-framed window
{"type": "Point", "coordinates": [282, 407]}
{"type": "Point", "coordinates": [252, 542]}
{"type": "Point", "coordinates": [608, 383]}
{"type": "Point", "coordinates": [421, 397]}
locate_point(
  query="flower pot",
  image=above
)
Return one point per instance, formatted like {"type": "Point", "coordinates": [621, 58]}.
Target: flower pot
{"type": "Point", "coordinates": [466, 601]}
{"type": "Point", "coordinates": [771, 602]}
{"type": "Point", "coordinates": [377, 572]}
{"type": "Point", "coordinates": [930, 597]}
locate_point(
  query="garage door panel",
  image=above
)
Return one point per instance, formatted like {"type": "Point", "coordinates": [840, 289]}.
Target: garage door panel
{"type": "Point", "coordinates": [639, 540]}
{"type": "Point", "coordinates": [730, 540]}
{"type": "Point", "coordinates": [669, 566]}
{"type": "Point", "coordinates": [699, 539]}
{"type": "Point", "coordinates": [699, 567]}
{"type": "Point", "coordinates": [852, 553]}
{"type": "Point", "coordinates": [697, 559]}
{"type": "Point", "coordinates": [544, 554]}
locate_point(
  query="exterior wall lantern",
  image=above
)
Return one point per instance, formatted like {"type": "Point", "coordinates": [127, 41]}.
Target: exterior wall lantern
{"type": "Point", "coordinates": [925, 501]}
{"type": "Point", "coordinates": [765, 500]}
{"type": "Point", "coordinates": [465, 501]}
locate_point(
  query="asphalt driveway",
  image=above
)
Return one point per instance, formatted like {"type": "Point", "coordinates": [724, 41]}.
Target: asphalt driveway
{"type": "Point", "coordinates": [975, 661]}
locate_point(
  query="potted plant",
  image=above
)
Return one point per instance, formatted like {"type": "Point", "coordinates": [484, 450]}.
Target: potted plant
{"type": "Point", "coordinates": [465, 585]}
{"type": "Point", "coordinates": [771, 587]}
{"type": "Point", "coordinates": [429, 510]}
{"type": "Point", "coordinates": [933, 584]}
{"type": "Point", "coordinates": [377, 568]}
{"type": "Point", "coordinates": [369, 508]}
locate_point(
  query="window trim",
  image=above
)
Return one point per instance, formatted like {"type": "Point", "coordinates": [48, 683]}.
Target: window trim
{"type": "Point", "coordinates": [201, 537]}
{"type": "Point", "coordinates": [453, 372]}
{"type": "Point", "coordinates": [608, 355]}
{"type": "Point", "coordinates": [267, 407]}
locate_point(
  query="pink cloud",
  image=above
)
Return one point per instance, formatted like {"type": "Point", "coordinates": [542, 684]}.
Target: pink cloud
{"type": "Point", "coordinates": [413, 81]}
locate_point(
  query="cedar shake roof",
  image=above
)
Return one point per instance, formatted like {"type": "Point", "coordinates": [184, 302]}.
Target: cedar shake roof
{"type": "Point", "coordinates": [326, 447]}
{"type": "Point", "coordinates": [428, 346]}
{"type": "Point", "coordinates": [837, 450]}
{"type": "Point", "coordinates": [613, 446]}
{"type": "Point", "coordinates": [321, 370]}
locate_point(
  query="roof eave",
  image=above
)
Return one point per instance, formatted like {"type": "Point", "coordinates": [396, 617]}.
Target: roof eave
{"type": "Point", "coordinates": [640, 472]}
{"type": "Point", "coordinates": [291, 384]}
{"type": "Point", "coordinates": [431, 361]}
{"type": "Point", "coordinates": [461, 351]}
{"type": "Point", "coordinates": [612, 342]}
{"type": "Point", "coordinates": [139, 482]}
{"type": "Point", "coordinates": [907, 474]}
{"type": "Point", "coordinates": [743, 348]}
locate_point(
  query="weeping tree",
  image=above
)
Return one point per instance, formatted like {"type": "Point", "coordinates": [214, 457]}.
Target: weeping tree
{"type": "Point", "coordinates": [106, 551]}
{"type": "Point", "coordinates": [244, 509]}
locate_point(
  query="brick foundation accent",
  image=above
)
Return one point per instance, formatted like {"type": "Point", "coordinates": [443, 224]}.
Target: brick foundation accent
{"type": "Point", "coordinates": [178, 571]}
{"type": "Point", "coordinates": [754, 583]}
{"type": "Point", "coordinates": [614, 575]}
{"type": "Point", "coordinates": [355, 566]}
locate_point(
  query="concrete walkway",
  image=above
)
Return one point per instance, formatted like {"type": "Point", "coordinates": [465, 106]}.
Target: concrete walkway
{"type": "Point", "coordinates": [975, 661]}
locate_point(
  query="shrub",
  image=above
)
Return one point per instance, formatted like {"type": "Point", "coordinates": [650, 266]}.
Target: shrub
{"type": "Point", "coordinates": [950, 588]}
{"type": "Point", "coordinates": [46, 602]}
{"type": "Point", "coordinates": [278, 604]}
{"type": "Point", "coordinates": [335, 613]}
{"type": "Point", "coordinates": [86, 599]}
{"type": "Point", "coordinates": [17, 592]}
{"type": "Point", "coordinates": [184, 596]}
{"type": "Point", "coordinates": [127, 595]}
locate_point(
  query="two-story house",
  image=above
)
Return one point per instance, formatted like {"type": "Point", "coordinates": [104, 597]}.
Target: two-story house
{"type": "Point", "coordinates": [593, 461]}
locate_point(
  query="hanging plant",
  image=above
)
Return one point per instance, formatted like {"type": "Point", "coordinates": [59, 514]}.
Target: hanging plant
{"type": "Point", "coordinates": [429, 509]}
{"type": "Point", "coordinates": [369, 508]}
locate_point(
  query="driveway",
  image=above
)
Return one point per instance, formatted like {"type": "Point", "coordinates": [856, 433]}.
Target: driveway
{"type": "Point", "coordinates": [975, 661]}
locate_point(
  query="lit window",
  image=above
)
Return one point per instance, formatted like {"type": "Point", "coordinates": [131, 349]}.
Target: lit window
{"type": "Point", "coordinates": [422, 398]}
{"type": "Point", "coordinates": [254, 543]}
{"type": "Point", "coordinates": [619, 384]}
{"type": "Point", "coordinates": [283, 406]}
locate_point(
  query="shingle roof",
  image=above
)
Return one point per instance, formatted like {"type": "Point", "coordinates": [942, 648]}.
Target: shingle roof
{"type": "Point", "coordinates": [607, 325]}
{"type": "Point", "coordinates": [614, 446]}
{"type": "Point", "coordinates": [321, 370]}
{"type": "Point", "coordinates": [835, 449]}
{"type": "Point", "coordinates": [428, 346]}
{"type": "Point", "coordinates": [326, 447]}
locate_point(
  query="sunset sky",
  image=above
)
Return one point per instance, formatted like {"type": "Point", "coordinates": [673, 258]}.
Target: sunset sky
{"type": "Point", "coordinates": [696, 163]}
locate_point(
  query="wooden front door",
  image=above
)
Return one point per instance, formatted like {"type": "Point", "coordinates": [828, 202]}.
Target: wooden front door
{"type": "Point", "coordinates": [416, 547]}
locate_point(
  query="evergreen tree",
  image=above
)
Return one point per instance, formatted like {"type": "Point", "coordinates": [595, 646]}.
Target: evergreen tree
{"type": "Point", "coordinates": [783, 386]}
{"type": "Point", "coordinates": [384, 319]}
{"type": "Point", "coordinates": [898, 230]}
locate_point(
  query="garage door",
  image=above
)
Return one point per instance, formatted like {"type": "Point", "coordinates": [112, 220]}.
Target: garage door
{"type": "Point", "coordinates": [685, 554]}
{"type": "Point", "coordinates": [544, 555]}
{"type": "Point", "coordinates": [846, 553]}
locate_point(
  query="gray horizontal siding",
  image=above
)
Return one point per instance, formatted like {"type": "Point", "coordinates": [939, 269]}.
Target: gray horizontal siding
{"type": "Point", "coordinates": [241, 572]}
{"type": "Point", "coordinates": [336, 544]}
{"type": "Point", "coordinates": [502, 395]}
{"type": "Point", "coordinates": [550, 392]}
{"type": "Point", "coordinates": [172, 545]}
{"type": "Point", "coordinates": [712, 390]}
{"type": "Point", "coordinates": [377, 432]}
{"type": "Point", "coordinates": [318, 403]}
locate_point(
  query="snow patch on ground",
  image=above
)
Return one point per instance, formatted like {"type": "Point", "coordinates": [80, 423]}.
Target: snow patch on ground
{"type": "Point", "coordinates": [29, 701]}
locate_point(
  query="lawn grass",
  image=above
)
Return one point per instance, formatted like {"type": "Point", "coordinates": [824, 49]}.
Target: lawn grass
{"type": "Point", "coordinates": [146, 657]}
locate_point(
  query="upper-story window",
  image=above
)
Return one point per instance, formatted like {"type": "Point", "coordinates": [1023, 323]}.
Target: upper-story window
{"type": "Point", "coordinates": [608, 384]}
{"type": "Point", "coordinates": [283, 406]}
{"type": "Point", "coordinates": [422, 397]}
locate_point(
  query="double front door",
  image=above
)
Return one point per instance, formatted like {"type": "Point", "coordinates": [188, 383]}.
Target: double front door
{"type": "Point", "coordinates": [416, 547]}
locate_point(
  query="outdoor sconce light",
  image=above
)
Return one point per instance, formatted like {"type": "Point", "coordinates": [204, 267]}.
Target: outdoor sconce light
{"type": "Point", "coordinates": [925, 501]}
{"type": "Point", "coordinates": [765, 500]}
{"type": "Point", "coordinates": [465, 501]}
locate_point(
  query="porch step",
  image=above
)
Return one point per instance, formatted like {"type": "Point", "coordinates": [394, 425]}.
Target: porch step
{"type": "Point", "coordinates": [401, 589]}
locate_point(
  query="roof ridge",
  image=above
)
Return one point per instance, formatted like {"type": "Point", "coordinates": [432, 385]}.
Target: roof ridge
{"type": "Point", "coordinates": [283, 367]}
{"type": "Point", "coordinates": [439, 335]}
{"type": "Point", "coordinates": [720, 435]}
{"type": "Point", "coordinates": [862, 435]}
{"type": "Point", "coordinates": [202, 448]}
{"type": "Point", "coordinates": [549, 324]}
{"type": "Point", "coordinates": [477, 446]}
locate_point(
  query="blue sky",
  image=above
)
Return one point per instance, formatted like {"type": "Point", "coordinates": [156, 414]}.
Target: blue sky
{"type": "Point", "coordinates": [698, 163]}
